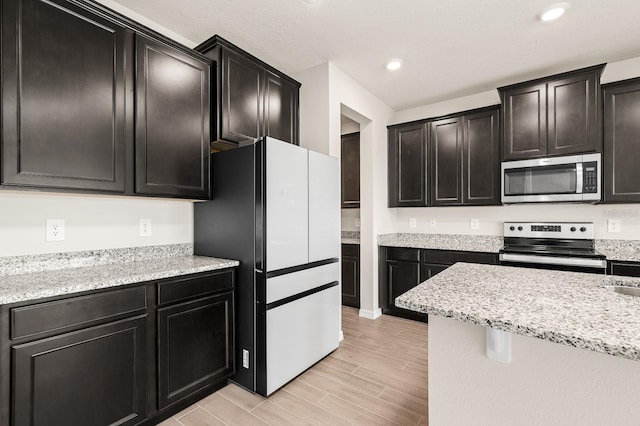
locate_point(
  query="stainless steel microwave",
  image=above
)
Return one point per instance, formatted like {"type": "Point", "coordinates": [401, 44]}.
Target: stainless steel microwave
{"type": "Point", "coordinates": [556, 179]}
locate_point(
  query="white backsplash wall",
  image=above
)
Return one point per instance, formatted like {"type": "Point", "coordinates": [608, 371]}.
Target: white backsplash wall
{"type": "Point", "coordinates": [350, 219]}
{"type": "Point", "coordinates": [456, 220]}
{"type": "Point", "coordinates": [91, 222]}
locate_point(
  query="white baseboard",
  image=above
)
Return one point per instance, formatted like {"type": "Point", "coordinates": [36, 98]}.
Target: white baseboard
{"type": "Point", "coordinates": [376, 313]}
{"type": "Point", "coordinates": [341, 336]}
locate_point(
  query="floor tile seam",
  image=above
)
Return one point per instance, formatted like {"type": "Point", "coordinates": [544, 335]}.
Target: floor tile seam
{"type": "Point", "coordinates": [292, 413]}
{"type": "Point", "coordinates": [365, 409]}
{"type": "Point", "coordinates": [238, 405]}
{"type": "Point", "coordinates": [219, 419]}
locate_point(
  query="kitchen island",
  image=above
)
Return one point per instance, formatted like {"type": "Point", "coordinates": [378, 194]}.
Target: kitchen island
{"type": "Point", "coordinates": [574, 346]}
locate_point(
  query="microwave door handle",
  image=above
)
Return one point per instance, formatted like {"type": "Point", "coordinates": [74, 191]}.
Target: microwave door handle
{"type": "Point", "coordinates": [579, 178]}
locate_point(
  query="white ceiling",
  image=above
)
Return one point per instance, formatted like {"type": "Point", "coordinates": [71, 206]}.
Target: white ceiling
{"type": "Point", "coordinates": [450, 48]}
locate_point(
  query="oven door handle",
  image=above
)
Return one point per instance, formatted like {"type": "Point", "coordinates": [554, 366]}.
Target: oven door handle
{"type": "Point", "coordinates": [554, 260]}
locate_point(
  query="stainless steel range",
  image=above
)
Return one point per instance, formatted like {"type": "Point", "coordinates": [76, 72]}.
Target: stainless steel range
{"type": "Point", "coordinates": [552, 245]}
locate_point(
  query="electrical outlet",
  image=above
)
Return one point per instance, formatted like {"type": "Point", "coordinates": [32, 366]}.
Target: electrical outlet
{"type": "Point", "coordinates": [245, 358]}
{"type": "Point", "coordinates": [432, 223]}
{"type": "Point", "coordinates": [474, 224]}
{"type": "Point", "coordinates": [614, 226]}
{"type": "Point", "coordinates": [54, 230]}
{"type": "Point", "coordinates": [412, 222]}
{"type": "Point", "coordinates": [357, 222]}
{"type": "Point", "coordinates": [145, 228]}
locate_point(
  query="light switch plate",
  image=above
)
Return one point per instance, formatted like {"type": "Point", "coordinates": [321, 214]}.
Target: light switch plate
{"type": "Point", "coordinates": [614, 226]}
{"type": "Point", "coordinates": [54, 230]}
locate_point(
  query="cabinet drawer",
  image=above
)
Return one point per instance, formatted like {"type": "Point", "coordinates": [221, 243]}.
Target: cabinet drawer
{"type": "Point", "coordinates": [351, 250]}
{"type": "Point", "coordinates": [193, 286]}
{"type": "Point", "coordinates": [61, 314]}
{"type": "Point", "coordinates": [448, 257]}
{"type": "Point", "coordinates": [400, 253]}
{"type": "Point", "coordinates": [628, 269]}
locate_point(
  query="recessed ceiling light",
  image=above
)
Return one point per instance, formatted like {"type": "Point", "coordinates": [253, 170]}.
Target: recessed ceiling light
{"type": "Point", "coordinates": [553, 12]}
{"type": "Point", "coordinates": [394, 64]}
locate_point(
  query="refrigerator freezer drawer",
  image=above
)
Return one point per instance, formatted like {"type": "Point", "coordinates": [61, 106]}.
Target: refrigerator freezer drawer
{"type": "Point", "coordinates": [299, 334]}
{"type": "Point", "coordinates": [294, 283]}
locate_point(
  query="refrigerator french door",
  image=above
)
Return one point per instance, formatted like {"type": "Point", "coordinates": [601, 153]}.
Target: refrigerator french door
{"type": "Point", "coordinates": [276, 208]}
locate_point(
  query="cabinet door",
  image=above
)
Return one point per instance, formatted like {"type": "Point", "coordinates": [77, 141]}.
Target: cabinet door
{"type": "Point", "coordinates": [621, 142]}
{"type": "Point", "coordinates": [280, 109]}
{"type": "Point", "coordinates": [350, 170]}
{"type": "Point", "coordinates": [351, 275]}
{"type": "Point", "coordinates": [63, 100]}
{"type": "Point", "coordinates": [445, 144]}
{"type": "Point", "coordinates": [481, 160]}
{"type": "Point", "coordinates": [241, 103]}
{"type": "Point", "coordinates": [525, 122]}
{"type": "Point", "coordinates": [401, 277]}
{"type": "Point", "coordinates": [573, 114]}
{"type": "Point", "coordinates": [195, 346]}
{"type": "Point", "coordinates": [172, 126]}
{"type": "Point", "coordinates": [95, 376]}
{"type": "Point", "coordinates": [428, 270]}
{"type": "Point", "coordinates": [407, 166]}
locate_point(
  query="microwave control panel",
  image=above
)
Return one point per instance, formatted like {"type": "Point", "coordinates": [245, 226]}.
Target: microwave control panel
{"type": "Point", "coordinates": [590, 177]}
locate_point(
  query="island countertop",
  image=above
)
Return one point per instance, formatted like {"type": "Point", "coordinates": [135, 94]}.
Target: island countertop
{"type": "Point", "coordinates": [569, 308]}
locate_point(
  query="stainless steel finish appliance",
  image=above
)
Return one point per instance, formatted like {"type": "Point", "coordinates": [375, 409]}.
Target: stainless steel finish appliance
{"type": "Point", "coordinates": [556, 179]}
{"type": "Point", "coordinates": [552, 245]}
{"type": "Point", "coordinates": [276, 208]}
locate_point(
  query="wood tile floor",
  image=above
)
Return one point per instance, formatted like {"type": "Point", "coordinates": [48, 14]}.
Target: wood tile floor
{"type": "Point", "coordinates": [378, 376]}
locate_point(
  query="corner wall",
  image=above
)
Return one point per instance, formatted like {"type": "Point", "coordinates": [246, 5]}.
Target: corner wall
{"type": "Point", "coordinates": [320, 131]}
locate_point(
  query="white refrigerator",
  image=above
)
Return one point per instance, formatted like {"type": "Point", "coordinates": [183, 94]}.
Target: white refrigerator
{"type": "Point", "coordinates": [276, 208]}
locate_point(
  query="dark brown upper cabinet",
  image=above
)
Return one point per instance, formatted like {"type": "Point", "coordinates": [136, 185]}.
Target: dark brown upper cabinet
{"type": "Point", "coordinates": [172, 125]}
{"type": "Point", "coordinates": [481, 157]}
{"type": "Point", "coordinates": [621, 178]}
{"type": "Point", "coordinates": [253, 98]}
{"type": "Point", "coordinates": [445, 142]}
{"type": "Point", "coordinates": [407, 165]}
{"type": "Point", "coordinates": [63, 97]}
{"type": "Point", "coordinates": [350, 170]}
{"type": "Point", "coordinates": [465, 158]}
{"type": "Point", "coordinates": [74, 76]}
{"type": "Point", "coordinates": [556, 115]}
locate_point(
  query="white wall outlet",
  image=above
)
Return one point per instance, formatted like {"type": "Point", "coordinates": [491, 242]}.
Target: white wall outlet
{"type": "Point", "coordinates": [412, 222]}
{"type": "Point", "coordinates": [614, 226]}
{"type": "Point", "coordinates": [54, 230]}
{"type": "Point", "coordinates": [432, 223]}
{"type": "Point", "coordinates": [357, 222]}
{"type": "Point", "coordinates": [144, 229]}
{"type": "Point", "coordinates": [474, 224]}
{"type": "Point", "coordinates": [245, 358]}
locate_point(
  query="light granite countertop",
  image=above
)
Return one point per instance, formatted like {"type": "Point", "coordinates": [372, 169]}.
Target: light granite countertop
{"type": "Point", "coordinates": [350, 237]}
{"type": "Point", "coordinates": [49, 283]}
{"type": "Point", "coordinates": [569, 308]}
{"type": "Point", "coordinates": [458, 242]}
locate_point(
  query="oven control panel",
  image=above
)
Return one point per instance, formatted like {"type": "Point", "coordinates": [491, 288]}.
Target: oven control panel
{"type": "Point", "coordinates": [553, 230]}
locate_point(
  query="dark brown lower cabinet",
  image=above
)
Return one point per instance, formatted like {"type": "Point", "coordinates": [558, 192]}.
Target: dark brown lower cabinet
{"type": "Point", "coordinates": [195, 346]}
{"type": "Point", "coordinates": [351, 275]}
{"type": "Point", "coordinates": [95, 376]}
{"type": "Point", "coordinates": [401, 269]}
{"type": "Point", "coordinates": [630, 269]}
{"type": "Point", "coordinates": [114, 357]}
